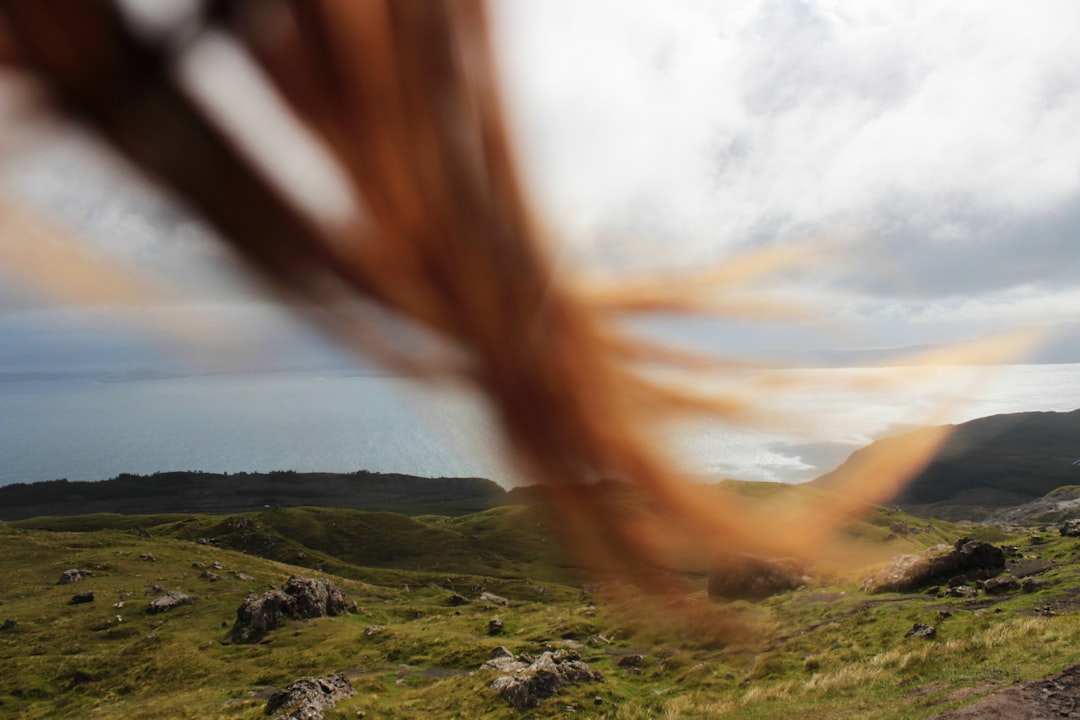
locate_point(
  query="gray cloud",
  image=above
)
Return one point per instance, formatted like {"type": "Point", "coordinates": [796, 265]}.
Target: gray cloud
{"type": "Point", "coordinates": [941, 136]}
{"type": "Point", "coordinates": [933, 143]}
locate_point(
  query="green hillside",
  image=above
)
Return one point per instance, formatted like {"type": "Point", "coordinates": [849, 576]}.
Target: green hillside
{"type": "Point", "coordinates": [827, 650]}
{"type": "Point", "coordinates": [989, 464]}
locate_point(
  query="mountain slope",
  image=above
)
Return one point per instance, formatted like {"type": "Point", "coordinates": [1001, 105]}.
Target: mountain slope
{"type": "Point", "coordinates": [991, 463]}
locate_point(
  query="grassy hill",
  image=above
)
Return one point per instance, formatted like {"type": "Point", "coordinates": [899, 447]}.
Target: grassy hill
{"type": "Point", "coordinates": [825, 651]}
{"type": "Point", "coordinates": [992, 463]}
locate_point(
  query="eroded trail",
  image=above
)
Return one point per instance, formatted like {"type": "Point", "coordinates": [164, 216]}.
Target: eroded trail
{"type": "Point", "coordinates": [1057, 696]}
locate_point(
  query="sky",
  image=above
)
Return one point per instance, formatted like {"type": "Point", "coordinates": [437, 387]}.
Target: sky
{"type": "Point", "coordinates": [924, 153]}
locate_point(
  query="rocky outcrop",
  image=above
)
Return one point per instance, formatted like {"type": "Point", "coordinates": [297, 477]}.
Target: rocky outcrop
{"type": "Point", "coordinates": [966, 560]}
{"type": "Point", "coordinates": [169, 601]}
{"type": "Point", "coordinates": [493, 599]}
{"type": "Point", "coordinates": [528, 681]}
{"type": "Point", "coordinates": [73, 575]}
{"type": "Point", "coordinates": [309, 699]}
{"type": "Point", "coordinates": [1070, 528]}
{"type": "Point", "coordinates": [1001, 585]}
{"type": "Point", "coordinates": [750, 577]}
{"type": "Point", "coordinates": [299, 598]}
{"type": "Point", "coordinates": [919, 630]}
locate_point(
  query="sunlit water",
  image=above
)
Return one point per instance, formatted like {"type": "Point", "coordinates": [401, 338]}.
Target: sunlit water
{"type": "Point", "coordinates": [86, 430]}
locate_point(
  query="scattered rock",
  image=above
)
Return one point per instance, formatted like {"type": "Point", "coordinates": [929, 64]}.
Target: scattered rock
{"type": "Point", "coordinates": [1036, 539]}
{"type": "Point", "coordinates": [455, 600]}
{"type": "Point", "coordinates": [963, 591]}
{"type": "Point", "coordinates": [148, 557]}
{"type": "Point", "coordinates": [243, 577]}
{"type": "Point", "coordinates": [900, 527]}
{"type": "Point", "coordinates": [630, 661]}
{"type": "Point", "coordinates": [504, 661]}
{"type": "Point", "coordinates": [750, 577]}
{"type": "Point", "coordinates": [211, 576]}
{"type": "Point", "coordinates": [1000, 585]}
{"type": "Point", "coordinates": [967, 558]}
{"type": "Point", "coordinates": [73, 575]}
{"type": "Point", "coordinates": [599, 639]}
{"type": "Point", "coordinates": [154, 589]}
{"type": "Point", "coordinates": [198, 565]}
{"type": "Point", "coordinates": [299, 598]}
{"type": "Point", "coordinates": [373, 630]}
{"type": "Point", "coordinates": [495, 626]}
{"type": "Point", "coordinates": [493, 599]}
{"type": "Point", "coordinates": [919, 630]}
{"type": "Point", "coordinates": [80, 598]}
{"type": "Point", "coordinates": [170, 601]}
{"type": "Point", "coordinates": [217, 566]}
{"type": "Point", "coordinates": [9, 624]}
{"type": "Point", "coordinates": [308, 699]}
{"type": "Point", "coordinates": [1070, 528]}
{"type": "Point", "coordinates": [1030, 584]}
{"type": "Point", "coordinates": [530, 682]}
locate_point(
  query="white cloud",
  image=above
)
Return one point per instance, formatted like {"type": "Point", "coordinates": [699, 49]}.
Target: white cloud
{"type": "Point", "coordinates": [922, 126]}
{"type": "Point", "coordinates": [940, 135]}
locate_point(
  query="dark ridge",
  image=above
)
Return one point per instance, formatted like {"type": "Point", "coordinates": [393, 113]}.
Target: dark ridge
{"type": "Point", "coordinates": [991, 463]}
{"type": "Point", "coordinates": [200, 492]}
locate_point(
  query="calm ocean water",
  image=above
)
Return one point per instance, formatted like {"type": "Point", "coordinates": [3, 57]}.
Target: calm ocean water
{"type": "Point", "coordinates": [87, 430]}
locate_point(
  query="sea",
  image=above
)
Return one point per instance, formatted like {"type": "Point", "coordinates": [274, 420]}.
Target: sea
{"type": "Point", "coordinates": [801, 423]}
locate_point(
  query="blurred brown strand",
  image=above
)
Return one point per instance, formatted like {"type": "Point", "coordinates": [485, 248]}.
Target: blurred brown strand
{"type": "Point", "coordinates": [403, 95]}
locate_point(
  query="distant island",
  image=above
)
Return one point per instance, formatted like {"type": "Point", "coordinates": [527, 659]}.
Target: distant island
{"type": "Point", "coordinates": [200, 492]}
{"type": "Point", "coordinates": [986, 465]}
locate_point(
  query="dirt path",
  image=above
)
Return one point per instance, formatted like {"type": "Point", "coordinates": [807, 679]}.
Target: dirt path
{"type": "Point", "coordinates": [1052, 697]}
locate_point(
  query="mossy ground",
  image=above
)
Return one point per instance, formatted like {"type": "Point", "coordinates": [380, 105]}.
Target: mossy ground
{"type": "Point", "coordinates": [825, 651]}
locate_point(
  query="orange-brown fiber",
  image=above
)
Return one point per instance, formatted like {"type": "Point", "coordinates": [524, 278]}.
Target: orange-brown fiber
{"type": "Point", "coordinates": [404, 96]}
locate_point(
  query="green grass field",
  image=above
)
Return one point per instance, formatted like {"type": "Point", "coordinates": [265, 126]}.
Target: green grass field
{"type": "Point", "coordinates": [825, 651]}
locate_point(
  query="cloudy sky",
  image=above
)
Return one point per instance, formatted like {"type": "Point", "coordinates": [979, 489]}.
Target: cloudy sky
{"type": "Point", "coordinates": [926, 150]}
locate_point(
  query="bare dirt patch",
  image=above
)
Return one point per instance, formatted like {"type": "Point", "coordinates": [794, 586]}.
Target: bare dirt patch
{"type": "Point", "coordinates": [1053, 697]}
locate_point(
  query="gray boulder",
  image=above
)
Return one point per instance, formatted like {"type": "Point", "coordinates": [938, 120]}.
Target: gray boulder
{"type": "Point", "coordinates": [919, 630]}
{"type": "Point", "coordinates": [1001, 585]}
{"type": "Point", "coordinates": [527, 684]}
{"type": "Point", "coordinates": [1070, 528]}
{"type": "Point", "coordinates": [169, 601]}
{"type": "Point", "coordinates": [967, 559]}
{"type": "Point", "coordinates": [309, 699]}
{"type": "Point", "coordinates": [299, 598]}
{"type": "Point", "coordinates": [73, 575]}
{"type": "Point", "coordinates": [80, 598]}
